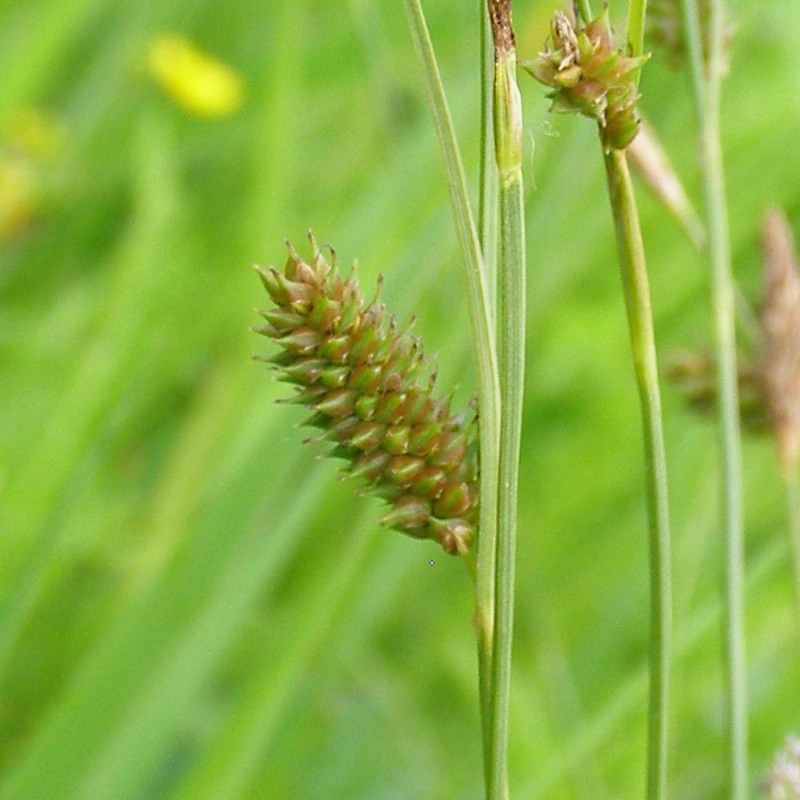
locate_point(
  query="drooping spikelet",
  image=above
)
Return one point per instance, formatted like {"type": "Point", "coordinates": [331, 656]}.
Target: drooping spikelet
{"type": "Point", "coordinates": [370, 387]}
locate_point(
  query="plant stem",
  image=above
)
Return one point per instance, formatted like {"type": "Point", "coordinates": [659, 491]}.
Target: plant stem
{"type": "Point", "coordinates": [511, 363]}
{"type": "Point", "coordinates": [585, 11]}
{"type": "Point", "coordinates": [640, 324]}
{"type": "Point", "coordinates": [707, 89]}
{"type": "Point", "coordinates": [487, 210]}
{"type": "Point", "coordinates": [637, 9]}
{"type": "Point", "coordinates": [694, 50]}
{"type": "Point", "coordinates": [483, 338]}
{"type": "Point", "coordinates": [511, 360]}
{"type": "Point", "coordinates": [488, 233]}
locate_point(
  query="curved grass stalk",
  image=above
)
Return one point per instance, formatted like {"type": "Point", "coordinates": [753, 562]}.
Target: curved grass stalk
{"type": "Point", "coordinates": [660, 555]}
{"type": "Point", "coordinates": [640, 324]}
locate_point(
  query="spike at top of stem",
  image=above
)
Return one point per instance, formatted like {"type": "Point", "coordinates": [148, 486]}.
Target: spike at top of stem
{"type": "Point", "coordinates": [591, 76]}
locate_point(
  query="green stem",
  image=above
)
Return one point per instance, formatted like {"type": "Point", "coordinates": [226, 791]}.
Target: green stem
{"type": "Point", "coordinates": [694, 49]}
{"type": "Point", "coordinates": [707, 84]}
{"type": "Point", "coordinates": [511, 359]}
{"type": "Point", "coordinates": [511, 364]}
{"type": "Point", "coordinates": [488, 233]}
{"type": "Point", "coordinates": [640, 324]}
{"type": "Point", "coordinates": [483, 338]}
{"type": "Point", "coordinates": [585, 11]}
{"type": "Point", "coordinates": [487, 209]}
{"type": "Point", "coordinates": [637, 9]}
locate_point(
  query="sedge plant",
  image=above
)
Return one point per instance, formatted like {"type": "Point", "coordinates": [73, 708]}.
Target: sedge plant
{"type": "Point", "coordinates": [370, 387]}
{"type": "Point", "coordinates": [708, 65]}
{"type": "Point", "coordinates": [365, 383]}
{"type": "Point", "coordinates": [190, 610]}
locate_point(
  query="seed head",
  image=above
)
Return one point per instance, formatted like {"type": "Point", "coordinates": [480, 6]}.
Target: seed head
{"type": "Point", "coordinates": [589, 75]}
{"type": "Point", "coordinates": [783, 780]}
{"type": "Point", "coordinates": [370, 387]}
{"type": "Point", "coordinates": [780, 319]}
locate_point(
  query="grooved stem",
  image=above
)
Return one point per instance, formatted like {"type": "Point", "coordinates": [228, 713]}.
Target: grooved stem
{"type": "Point", "coordinates": [482, 563]}
{"type": "Point", "coordinates": [640, 324]}
{"type": "Point", "coordinates": [511, 364]}
{"type": "Point", "coordinates": [707, 83]}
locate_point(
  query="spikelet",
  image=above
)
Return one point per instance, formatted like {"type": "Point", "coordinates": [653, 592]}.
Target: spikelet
{"type": "Point", "coordinates": [780, 319]}
{"type": "Point", "coordinates": [783, 780]}
{"type": "Point", "coordinates": [589, 75]}
{"type": "Point", "coordinates": [370, 388]}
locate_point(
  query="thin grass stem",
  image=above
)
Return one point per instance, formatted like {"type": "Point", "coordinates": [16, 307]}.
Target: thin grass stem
{"type": "Point", "coordinates": [488, 234]}
{"type": "Point", "coordinates": [614, 719]}
{"type": "Point", "coordinates": [707, 83]}
{"type": "Point", "coordinates": [483, 338]}
{"type": "Point", "coordinates": [640, 324]}
{"type": "Point", "coordinates": [511, 359]}
{"type": "Point", "coordinates": [507, 107]}
{"type": "Point", "coordinates": [584, 9]}
{"type": "Point", "coordinates": [488, 198]}
{"type": "Point", "coordinates": [637, 10]}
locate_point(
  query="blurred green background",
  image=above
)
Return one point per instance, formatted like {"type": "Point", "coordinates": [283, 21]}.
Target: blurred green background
{"type": "Point", "coordinates": [191, 606]}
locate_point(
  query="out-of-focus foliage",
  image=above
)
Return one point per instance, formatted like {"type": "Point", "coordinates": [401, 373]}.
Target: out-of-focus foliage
{"type": "Point", "coordinates": [191, 606]}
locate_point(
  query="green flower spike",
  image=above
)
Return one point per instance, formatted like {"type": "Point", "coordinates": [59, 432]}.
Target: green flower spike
{"type": "Point", "coordinates": [370, 388]}
{"type": "Point", "coordinates": [590, 76]}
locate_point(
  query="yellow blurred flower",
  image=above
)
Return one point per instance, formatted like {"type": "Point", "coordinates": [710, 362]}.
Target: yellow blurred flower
{"type": "Point", "coordinates": [196, 81]}
{"type": "Point", "coordinates": [35, 132]}
{"type": "Point", "coordinates": [31, 139]}
{"type": "Point", "coordinates": [18, 196]}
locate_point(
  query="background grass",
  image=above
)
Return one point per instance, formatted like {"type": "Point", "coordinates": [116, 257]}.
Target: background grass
{"type": "Point", "coordinates": [191, 606]}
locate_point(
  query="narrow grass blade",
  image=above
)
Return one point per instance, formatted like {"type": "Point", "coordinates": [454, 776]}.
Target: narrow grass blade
{"type": "Point", "coordinates": [707, 79]}
{"type": "Point", "coordinates": [511, 317]}
{"type": "Point", "coordinates": [481, 319]}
